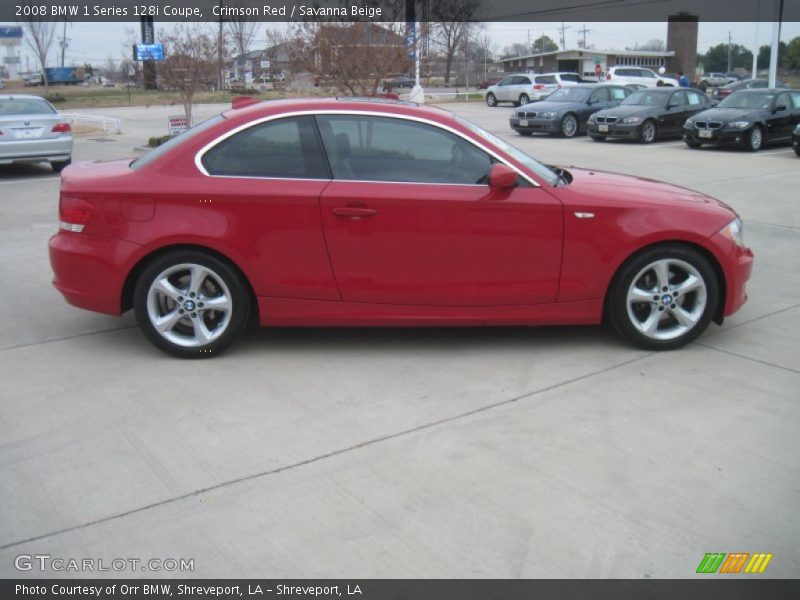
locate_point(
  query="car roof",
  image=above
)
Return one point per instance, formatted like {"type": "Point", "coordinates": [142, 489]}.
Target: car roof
{"type": "Point", "coordinates": [310, 105]}
{"type": "Point", "coordinates": [761, 91]}
{"type": "Point", "coordinates": [25, 96]}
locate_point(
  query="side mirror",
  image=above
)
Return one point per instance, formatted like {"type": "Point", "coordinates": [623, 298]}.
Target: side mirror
{"type": "Point", "coordinates": [779, 108]}
{"type": "Point", "coordinates": [502, 177]}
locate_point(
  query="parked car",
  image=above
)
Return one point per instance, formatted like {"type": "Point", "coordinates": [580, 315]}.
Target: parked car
{"type": "Point", "coordinates": [526, 88]}
{"type": "Point", "coordinates": [635, 87]}
{"type": "Point", "coordinates": [487, 83]}
{"type": "Point", "coordinates": [716, 79]}
{"type": "Point", "coordinates": [648, 115]}
{"type": "Point", "coordinates": [567, 110]}
{"type": "Point", "coordinates": [796, 140]}
{"type": "Point", "coordinates": [625, 75]}
{"type": "Point", "coordinates": [744, 84]}
{"type": "Point", "coordinates": [2, 84]}
{"type": "Point", "coordinates": [748, 118]}
{"type": "Point", "coordinates": [733, 77]}
{"type": "Point", "coordinates": [399, 82]}
{"type": "Point", "coordinates": [32, 131]}
{"type": "Point", "coordinates": [287, 211]}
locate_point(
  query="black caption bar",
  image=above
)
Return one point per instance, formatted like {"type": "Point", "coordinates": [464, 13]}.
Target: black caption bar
{"type": "Point", "coordinates": [402, 589]}
{"type": "Point", "coordinates": [395, 10]}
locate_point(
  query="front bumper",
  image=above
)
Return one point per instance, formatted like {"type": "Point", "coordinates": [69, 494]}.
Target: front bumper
{"type": "Point", "coordinates": [540, 125]}
{"type": "Point", "coordinates": [722, 136]}
{"type": "Point", "coordinates": [90, 270]}
{"type": "Point", "coordinates": [620, 130]}
{"type": "Point", "coordinates": [737, 265]}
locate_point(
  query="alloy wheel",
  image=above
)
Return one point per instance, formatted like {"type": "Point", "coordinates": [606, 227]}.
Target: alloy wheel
{"type": "Point", "coordinates": [569, 126]}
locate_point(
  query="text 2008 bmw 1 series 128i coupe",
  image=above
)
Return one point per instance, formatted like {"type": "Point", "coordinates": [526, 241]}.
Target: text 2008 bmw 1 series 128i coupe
{"type": "Point", "coordinates": [358, 212]}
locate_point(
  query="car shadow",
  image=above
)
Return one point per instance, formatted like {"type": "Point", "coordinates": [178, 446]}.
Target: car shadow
{"type": "Point", "coordinates": [27, 171]}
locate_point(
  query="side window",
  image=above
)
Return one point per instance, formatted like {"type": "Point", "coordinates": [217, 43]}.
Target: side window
{"type": "Point", "coordinates": [694, 99]}
{"type": "Point", "coordinates": [599, 95]}
{"type": "Point", "coordinates": [784, 100]}
{"type": "Point", "coordinates": [388, 149]}
{"type": "Point", "coordinates": [647, 74]}
{"type": "Point", "coordinates": [619, 94]}
{"type": "Point", "coordinates": [507, 80]}
{"type": "Point", "coordinates": [678, 99]}
{"type": "Point", "coordinates": [569, 77]}
{"type": "Point", "coordinates": [525, 81]}
{"type": "Point", "coordinates": [796, 99]}
{"type": "Point", "coordinates": [282, 148]}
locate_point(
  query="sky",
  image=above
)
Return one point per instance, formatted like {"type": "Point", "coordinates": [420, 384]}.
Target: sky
{"type": "Point", "coordinates": [95, 42]}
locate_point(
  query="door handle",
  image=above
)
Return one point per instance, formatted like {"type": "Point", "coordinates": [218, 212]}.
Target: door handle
{"type": "Point", "coordinates": [354, 212]}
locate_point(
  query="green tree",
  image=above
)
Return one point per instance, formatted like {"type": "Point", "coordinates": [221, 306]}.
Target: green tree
{"type": "Point", "coordinates": [764, 54]}
{"type": "Point", "coordinates": [791, 60]}
{"type": "Point", "coordinates": [544, 44]}
{"type": "Point", "coordinates": [716, 59]}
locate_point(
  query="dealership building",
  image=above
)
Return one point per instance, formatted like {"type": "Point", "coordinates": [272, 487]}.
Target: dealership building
{"type": "Point", "coordinates": [585, 61]}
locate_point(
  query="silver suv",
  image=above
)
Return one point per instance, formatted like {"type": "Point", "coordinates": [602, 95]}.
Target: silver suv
{"type": "Point", "coordinates": [528, 87]}
{"type": "Point", "coordinates": [625, 75]}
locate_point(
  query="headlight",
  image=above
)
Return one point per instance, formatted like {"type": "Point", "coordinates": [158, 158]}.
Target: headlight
{"type": "Point", "coordinates": [632, 120]}
{"type": "Point", "coordinates": [548, 115]}
{"type": "Point", "coordinates": [739, 124]}
{"type": "Point", "coordinates": [733, 231]}
{"type": "Point", "coordinates": [689, 123]}
{"type": "Point", "coordinates": [592, 118]}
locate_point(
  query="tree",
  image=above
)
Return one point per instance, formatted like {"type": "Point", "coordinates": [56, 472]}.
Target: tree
{"type": "Point", "coordinates": [188, 65]}
{"type": "Point", "coordinates": [544, 43]}
{"type": "Point", "coordinates": [765, 52]}
{"type": "Point", "coordinates": [792, 56]}
{"type": "Point", "coordinates": [453, 20]}
{"type": "Point", "coordinates": [716, 59]}
{"type": "Point", "coordinates": [355, 58]}
{"type": "Point", "coordinates": [241, 32]}
{"type": "Point", "coordinates": [515, 49]}
{"type": "Point", "coordinates": [653, 45]}
{"type": "Point", "coordinates": [39, 35]}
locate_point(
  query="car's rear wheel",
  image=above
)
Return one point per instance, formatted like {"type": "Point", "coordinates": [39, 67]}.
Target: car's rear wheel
{"type": "Point", "coordinates": [664, 297]}
{"type": "Point", "coordinates": [191, 304]}
{"type": "Point", "coordinates": [524, 99]}
{"type": "Point", "coordinates": [569, 125]}
{"type": "Point", "coordinates": [60, 165]}
{"type": "Point", "coordinates": [647, 133]}
{"type": "Point", "coordinates": [491, 99]}
{"type": "Point", "coordinates": [755, 139]}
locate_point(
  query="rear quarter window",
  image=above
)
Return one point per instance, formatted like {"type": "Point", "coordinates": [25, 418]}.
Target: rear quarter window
{"type": "Point", "coordinates": [159, 151]}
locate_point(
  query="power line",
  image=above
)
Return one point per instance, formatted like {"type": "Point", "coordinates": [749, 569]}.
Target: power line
{"type": "Point", "coordinates": [584, 31]}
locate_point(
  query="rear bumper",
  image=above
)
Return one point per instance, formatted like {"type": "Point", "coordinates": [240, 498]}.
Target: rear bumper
{"type": "Point", "coordinates": [35, 150]}
{"type": "Point", "coordinates": [89, 270]}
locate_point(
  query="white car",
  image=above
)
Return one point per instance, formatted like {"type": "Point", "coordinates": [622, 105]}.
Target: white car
{"type": "Point", "coordinates": [626, 75]}
{"type": "Point", "coordinates": [716, 79]}
{"type": "Point", "coordinates": [31, 131]}
{"type": "Point", "coordinates": [528, 87]}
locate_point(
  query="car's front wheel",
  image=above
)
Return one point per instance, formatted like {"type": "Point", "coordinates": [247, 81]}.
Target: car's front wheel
{"type": "Point", "coordinates": [569, 125]}
{"type": "Point", "coordinates": [664, 297]}
{"type": "Point", "coordinates": [191, 304]}
{"type": "Point", "coordinates": [755, 139]}
{"type": "Point", "coordinates": [524, 99]}
{"type": "Point", "coordinates": [598, 138]}
{"type": "Point", "coordinates": [692, 143]}
{"type": "Point", "coordinates": [797, 150]}
{"type": "Point", "coordinates": [647, 134]}
{"type": "Point", "coordinates": [491, 99]}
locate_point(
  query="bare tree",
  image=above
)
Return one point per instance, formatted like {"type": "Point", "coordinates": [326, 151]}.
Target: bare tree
{"type": "Point", "coordinates": [355, 58]}
{"type": "Point", "coordinates": [453, 21]}
{"type": "Point", "coordinates": [40, 35]}
{"type": "Point", "coordinates": [654, 45]}
{"type": "Point", "coordinates": [188, 66]}
{"type": "Point", "coordinates": [241, 33]}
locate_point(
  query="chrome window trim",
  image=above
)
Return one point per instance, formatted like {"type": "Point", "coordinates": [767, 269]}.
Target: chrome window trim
{"type": "Point", "coordinates": [198, 157]}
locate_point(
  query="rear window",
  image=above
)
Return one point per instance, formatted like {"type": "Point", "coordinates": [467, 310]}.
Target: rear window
{"type": "Point", "coordinates": [546, 79]}
{"type": "Point", "coordinates": [159, 151]}
{"type": "Point", "coordinates": [569, 77]}
{"type": "Point", "coordinates": [11, 107]}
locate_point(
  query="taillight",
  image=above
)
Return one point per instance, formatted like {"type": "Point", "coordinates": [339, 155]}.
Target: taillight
{"type": "Point", "coordinates": [538, 86]}
{"type": "Point", "coordinates": [608, 77]}
{"type": "Point", "coordinates": [74, 213]}
{"type": "Point", "coordinates": [61, 128]}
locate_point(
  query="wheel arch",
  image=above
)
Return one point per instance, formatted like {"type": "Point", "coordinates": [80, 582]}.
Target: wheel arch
{"type": "Point", "coordinates": [707, 254]}
{"type": "Point", "coordinates": [126, 300]}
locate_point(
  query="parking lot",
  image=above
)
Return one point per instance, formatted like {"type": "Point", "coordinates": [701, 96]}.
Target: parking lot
{"type": "Point", "coordinates": [470, 453]}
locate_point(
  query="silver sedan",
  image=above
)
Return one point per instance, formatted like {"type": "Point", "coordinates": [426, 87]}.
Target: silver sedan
{"type": "Point", "coordinates": [31, 130]}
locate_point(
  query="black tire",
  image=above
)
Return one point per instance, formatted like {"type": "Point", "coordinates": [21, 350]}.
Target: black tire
{"type": "Point", "coordinates": [491, 100]}
{"type": "Point", "coordinates": [797, 150]}
{"type": "Point", "coordinates": [567, 122]}
{"type": "Point", "coordinates": [525, 133]}
{"type": "Point", "coordinates": [754, 140]}
{"type": "Point", "coordinates": [645, 135]}
{"type": "Point", "coordinates": [524, 99]}
{"type": "Point", "coordinates": [692, 143]}
{"type": "Point", "coordinates": [598, 138]}
{"type": "Point", "coordinates": [221, 275]}
{"type": "Point", "coordinates": [60, 165]}
{"type": "Point", "coordinates": [617, 309]}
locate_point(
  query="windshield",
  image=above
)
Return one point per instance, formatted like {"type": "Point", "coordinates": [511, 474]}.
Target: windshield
{"type": "Point", "coordinates": [747, 100]}
{"type": "Point", "coordinates": [541, 170]}
{"type": "Point", "coordinates": [10, 107]}
{"type": "Point", "coordinates": [570, 95]}
{"type": "Point", "coordinates": [172, 142]}
{"type": "Point", "coordinates": [646, 98]}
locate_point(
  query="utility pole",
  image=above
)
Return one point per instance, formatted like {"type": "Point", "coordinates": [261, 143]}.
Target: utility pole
{"type": "Point", "coordinates": [563, 28]}
{"type": "Point", "coordinates": [584, 31]}
{"type": "Point", "coordinates": [64, 42]}
{"type": "Point", "coordinates": [729, 52]}
{"type": "Point", "coordinates": [530, 47]}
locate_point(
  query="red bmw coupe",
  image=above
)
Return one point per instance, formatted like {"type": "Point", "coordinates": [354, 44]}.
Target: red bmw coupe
{"type": "Point", "coordinates": [358, 212]}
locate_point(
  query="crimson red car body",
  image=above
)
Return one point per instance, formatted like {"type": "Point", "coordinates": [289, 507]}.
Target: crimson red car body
{"type": "Point", "coordinates": [424, 254]}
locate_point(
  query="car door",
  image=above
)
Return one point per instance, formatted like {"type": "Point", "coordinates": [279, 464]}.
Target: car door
{"type": "Point", "coordinates": [597, 101]}
{"type": "Point", "coordinates": [695, 102]}
{"type": "Point", "coordinates": [795, 96]}
{"type": "Point", "coordinates": [673, 117]}
{"type": "Point", "coordinates": [779, 120]}
{"type": "Point", "coordinates": [503, 87]}
{"type": "Point", "coordinates": [617, 94]}
{"type": "Point", "coordinates": [410, 220]}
